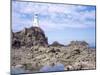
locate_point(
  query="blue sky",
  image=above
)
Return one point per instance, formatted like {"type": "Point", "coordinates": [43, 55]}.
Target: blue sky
{"type": "Point", "coordinates": [61, 22]}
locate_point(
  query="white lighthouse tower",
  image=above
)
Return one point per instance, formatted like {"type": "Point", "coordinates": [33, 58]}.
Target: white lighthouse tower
{"type": "Point", "coordinates": [35, 21]}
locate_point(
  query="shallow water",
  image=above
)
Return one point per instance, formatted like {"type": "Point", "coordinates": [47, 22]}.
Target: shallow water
{"type": "Point", "coordinates": [17, 71]}
{"type": "Point", "coordinates": [46, 68]}
{"type": "Point", "coordinates": [57, 67]}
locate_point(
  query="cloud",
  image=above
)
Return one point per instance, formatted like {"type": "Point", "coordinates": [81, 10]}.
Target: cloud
{"type": "Point", "coordinates": [52, 16]}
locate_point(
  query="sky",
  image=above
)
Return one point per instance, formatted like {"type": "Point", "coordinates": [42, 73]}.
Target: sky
{"type": "Point", "coordinates": [60, 22]}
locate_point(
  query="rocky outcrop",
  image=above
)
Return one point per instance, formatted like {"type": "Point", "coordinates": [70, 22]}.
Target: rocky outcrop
{"type": "Point", "coordinates": [56, 44]}
{"type": "Point", "coordinates": [29, 37]}
{"type": "Point", "coordinates": [82, 43]}
{"type": "Point", "coordinates": [38, 56]}
{"type": "Point", "coordinates": [31, 52]}
{"type": "Point", "coordinates": [78, 44]}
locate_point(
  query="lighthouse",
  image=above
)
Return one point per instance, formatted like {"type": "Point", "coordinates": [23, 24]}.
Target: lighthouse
{"type": "Point", "coordinates": [35, 21]}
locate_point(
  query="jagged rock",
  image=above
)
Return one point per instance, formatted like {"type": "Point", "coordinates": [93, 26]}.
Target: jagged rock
{"type": "Point", "coordinates": [29, 37]}
{"type": "Point", "coordinates": [53, 50]}
{"type": "Point", "coordinates": [78, 45]}
{"type": "Point", "coordinates": [75, 52]}
{"type": "Point", "coordinates": [30, 49]}
{"type": "Point", "coordinates": [55, 44]}
{"type": "Point", "coordinates": [82, 43]}
{"type": "Point", "coordinates": [16, 43]}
